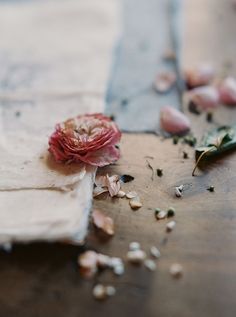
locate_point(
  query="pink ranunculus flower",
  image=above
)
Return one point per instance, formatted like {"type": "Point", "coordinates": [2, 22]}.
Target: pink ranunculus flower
{"type": "Point", "coordinates": [89, 138]}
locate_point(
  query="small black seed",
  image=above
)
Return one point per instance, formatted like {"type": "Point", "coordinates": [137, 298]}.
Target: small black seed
{"type": "Point", "coordinates": [192, 107]}
{"type": "Point", "coordinates": [185, 155]}
{"type": "Point", "coordinates": [209, 117]}
{"type": "Point", "coordinates": [170, 212]}
{"type": "Point", "coordinates": [126, 178]}
{"type": "Point", "coordinates": [211, 189]}
{"type": "Point", "coordinates": [160, 172]}
{"type": "Point", "coordinates": [175, 139]}
{"type": "Point", "coordinates": [112, 117]}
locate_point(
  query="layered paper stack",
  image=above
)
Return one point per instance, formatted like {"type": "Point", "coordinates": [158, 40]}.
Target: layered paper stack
{"type": "Point", "coordinates": [55, 58]}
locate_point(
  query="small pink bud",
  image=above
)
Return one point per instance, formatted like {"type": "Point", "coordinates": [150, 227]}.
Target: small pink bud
{"type": "Point", "coordinates": [199, 76]}
{"type": "Point", "coordinates": [164, 82]}
{"type": "Point", "coordinates": [206, 97]}
{"type": "Point", "coordinates": [227, 91]}
{"type": "Point", "coordinates": [174, 121]}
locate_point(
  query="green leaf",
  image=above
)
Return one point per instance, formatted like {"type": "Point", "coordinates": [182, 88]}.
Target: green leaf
{"type": "Point", "coordinates": [219, 140]}
{"type": "Point", "coordinates": [215, 142]}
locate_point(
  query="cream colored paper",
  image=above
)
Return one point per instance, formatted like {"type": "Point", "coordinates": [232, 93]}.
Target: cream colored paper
{"type": "Point", "coordinates": [55, 58]}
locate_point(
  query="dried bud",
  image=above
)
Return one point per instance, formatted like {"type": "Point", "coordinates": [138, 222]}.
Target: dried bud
{"type": "Point", "coordinates": [174, 121]}
{"type": "Point", "coordinates": [199, 76]}
{"type": "Point", "coordinates": [206, 97]}
{"type": "Point", "coordinates": [227, 91]}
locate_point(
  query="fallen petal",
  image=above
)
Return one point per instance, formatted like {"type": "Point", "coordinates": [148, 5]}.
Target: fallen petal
{"type": "Point", "coordinates": [99, 190]}
{"type": "Point", "coordinates": [164, 82]}
{"type": "Point", "coordinates": [206, 97]}
{"type": "Point", "coordinates": [227, 91]}
{"type": "Point", "coordinates": [113, 184]}
{"type": "Point", "coordinates": [199, 76]}
{"type": "Point", "coordinates": [135, 203]}
{"type": "Point", "coordinates": [131, 194]}
{"type": "Point", "coordinates": [174, 121]}
{"type": "Point", "coordinates": [88, 264]}
{"type": "Point", "coordinates": [101, 221]}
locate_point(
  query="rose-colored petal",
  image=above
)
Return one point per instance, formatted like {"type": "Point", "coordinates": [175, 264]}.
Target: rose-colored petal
{"type": "Point", "coordinates": [174, 121]}
{"type": "Point", "coordinates": [206, 97]}
{"type": "Point", "coordinates": [88, 138]}
{"type": "Point", "coordinates": [199, 76]}
{"type": "Point", "coordinates": [164, 81]}
{"type": "Point", "coordinates": [88, 263]}
{"type": "Point", "coordinates": [101, 221]}
{"type": "Point", "coordinates": [113, 184]}
{"type": "Point", "coordinates": [227, 91]}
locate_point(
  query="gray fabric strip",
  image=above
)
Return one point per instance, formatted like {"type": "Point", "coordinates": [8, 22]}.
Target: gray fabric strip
{"type": "Point", "coordinates": [149, 29]}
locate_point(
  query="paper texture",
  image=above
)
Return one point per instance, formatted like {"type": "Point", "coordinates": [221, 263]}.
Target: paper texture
{"type": "Point", "coordinates": [55, 58]}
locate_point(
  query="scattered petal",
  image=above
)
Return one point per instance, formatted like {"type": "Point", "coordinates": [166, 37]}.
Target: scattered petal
{"type": "Point", "coordinates": [199, 76]}
{"type": "Point", "coordinates": [119, 270]}
{"type": "Point", "coordinates": [113, 184]}
{"type": "Point", "coordinates": [135, 203]}
{"type": "Point", "coordinates": [170, 225]}
{"type": "Point", "coordinates": [103, 261]}
{"type": "Point", "coordinates": [161, 215]}
{"type": "Point", "coordinates": [88, 264]}
{"type": "Point", "coordinates": [179, 190]}
{"type": "Point", "coordinates": [155, 252]}
{"type": "Point", "coordinates": [136, 257]}
{"type": "Point", "coordinates": [132, 194]}
{"type": "Point", "coordinates": [174, 121]}
{"type": "Point", "coordinates": [110, 290]}
{"type": "Point", "coordinates": [206, 97]}
{"type": "Point", "coordinates": [99, 190]}
{"type": "Point", "coordinates": [227, 91]}
{"type": "Point", "coordinates": [176, 270]}
{"type": "Point", "coordinates": [164, 82]}
{"type": "Point", "coordinates": [99, 292]}
{"type": "Point", "coordinates": [101, 221]}
{"type": "Point", "coordinates": [150, 265]}
{"type": "Point", "coordinates": [133, 246]}
{"type": "Point", "coordinates": [120, 194]}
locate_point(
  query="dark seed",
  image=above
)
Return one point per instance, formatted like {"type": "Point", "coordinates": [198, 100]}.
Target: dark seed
{"type": "Point", "coordinates": [211, 189]}
{"type": "Point", "coordinates": [192, 107]}
{"type": "Point", "coordinates": [160, 172]}
{"type": "Point", "coordinates": [170, 212]}
{"type": "Point", "coordinates": [126, 178]}
{"type": "Point", "coordinates": [175, 139]}
{"type": "Point", "coordinates": [157, 210]}
{"type": "Point", "coordinates": [185, 155]}
{"type": "Point", "coordinates": [209, 117]}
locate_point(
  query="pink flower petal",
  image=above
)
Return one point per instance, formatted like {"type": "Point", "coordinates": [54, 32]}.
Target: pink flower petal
{"type": "Point", "coordinates": [101, 221]}
{"type": "Point", "coordinates": [199, 76]}
{"type": "Point", "coordinates": [113, 184]}
{"type": "Point", "coordinates": [174, 121]}
{"type": "Point", "coordinates": [89, 138]}
{"type": "Point", "coordinates": [164, 81]}
{"type": "Point", "coordinates": [227, 91]}
{"type": "Point", "coordinates": [206, 97]}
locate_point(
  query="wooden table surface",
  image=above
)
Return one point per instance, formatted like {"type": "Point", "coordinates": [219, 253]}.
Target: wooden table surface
{"type": "Point", "coordinates": [43, 280]}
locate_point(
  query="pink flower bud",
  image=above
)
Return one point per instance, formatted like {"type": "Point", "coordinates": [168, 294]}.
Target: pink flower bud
{"type": "Point", "coordinates": [90, 138]}
{"type": "Point", "coordinates": [174, 121]}
{"type": "Point", "coordinates": [199, 76]}
{"type": "Point", "coordinates": [206, 97]}
{"type": "Point", "coordinates": [227, 91]}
